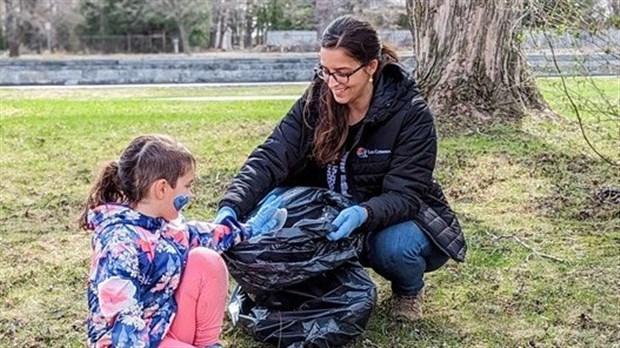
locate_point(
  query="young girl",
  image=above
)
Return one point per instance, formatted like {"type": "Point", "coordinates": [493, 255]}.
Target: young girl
{"type": "Point", "coordinates": [156, 279]}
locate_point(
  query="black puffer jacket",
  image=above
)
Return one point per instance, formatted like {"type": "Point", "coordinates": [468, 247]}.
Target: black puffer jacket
{"type": "Point", "coordinates": [389, 169]}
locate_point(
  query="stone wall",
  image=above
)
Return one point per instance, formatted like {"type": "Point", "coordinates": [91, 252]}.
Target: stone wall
{"type": "Point", "coordinates": [226, 68]}
{"type": "Point", "coordinates": [173, 69]}
{"type": "Point", "coordinates": [300, 40]}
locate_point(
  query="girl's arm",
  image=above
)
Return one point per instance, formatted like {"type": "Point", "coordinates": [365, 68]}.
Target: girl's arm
{"type": "Point", "coordinates": [221, 237]}
{"type": "Point", "coordinates": [217, 237]}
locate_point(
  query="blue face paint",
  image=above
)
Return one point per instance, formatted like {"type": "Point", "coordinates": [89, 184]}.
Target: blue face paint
{"type": "Point", "coordinates": [180, 201]}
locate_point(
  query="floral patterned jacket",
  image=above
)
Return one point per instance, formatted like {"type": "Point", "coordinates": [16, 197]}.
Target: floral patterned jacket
{"type": "Point", "coordinates": [136, 267]}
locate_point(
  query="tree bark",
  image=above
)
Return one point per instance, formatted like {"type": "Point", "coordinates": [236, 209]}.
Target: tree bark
{"type": "Point", "coordinates": [469, 67]}
{"type": "Point", "coordinates": [184, 39]}
{"type": "Point", "coordinates": [249, 24]}
{"type": "Point", "coordinates": [223, 23]}
{"type": "Point", "coordinates": [322, 15]}
{"type": "Point", "coordinates": [13, 27]}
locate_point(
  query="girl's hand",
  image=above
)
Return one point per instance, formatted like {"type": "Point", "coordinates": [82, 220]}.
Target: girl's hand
{"type": "Point", "coordinates": [269, 217]}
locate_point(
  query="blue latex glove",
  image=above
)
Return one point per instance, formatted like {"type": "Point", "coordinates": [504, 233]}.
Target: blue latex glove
{"type": "Point", "coordinates": [269, 217]}
{"type": "Point", "coordinates": [224, 213]}
{"type": "Point", "coordinates": [347, 221]}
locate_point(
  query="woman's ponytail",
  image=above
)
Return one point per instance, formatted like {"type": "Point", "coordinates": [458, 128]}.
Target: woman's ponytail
{"type": "Point", "coordinates": [106, 189]}
{"type": "Point", "coordinates": [388, 55]}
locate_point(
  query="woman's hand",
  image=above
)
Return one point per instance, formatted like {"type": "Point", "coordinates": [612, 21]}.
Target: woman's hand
{"type": "Point", "coordinates": [347, 221]}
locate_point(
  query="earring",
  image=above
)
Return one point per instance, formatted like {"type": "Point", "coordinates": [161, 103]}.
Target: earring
{"type": "Point", "coordinates": [370, 80]}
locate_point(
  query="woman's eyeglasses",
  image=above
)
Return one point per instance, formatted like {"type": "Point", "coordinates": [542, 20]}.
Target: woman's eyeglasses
{"type": "Point", "coordinates": [340, 77]}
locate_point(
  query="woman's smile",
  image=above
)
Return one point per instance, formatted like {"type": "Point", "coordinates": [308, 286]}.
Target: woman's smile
{"type": "Point", "coordinates": [340, 92]}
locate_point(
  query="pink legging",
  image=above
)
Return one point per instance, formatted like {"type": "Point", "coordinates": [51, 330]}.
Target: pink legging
{"type": "Point", "coordinates": [201, 298]}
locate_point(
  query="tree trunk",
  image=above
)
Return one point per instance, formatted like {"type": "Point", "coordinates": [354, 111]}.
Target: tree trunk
{"type": "Point", "coordinates": [322, 15]}
{"type": "Point", "coordinates": [13, 27]}
{"type": "Point", "coordinates": [249, 24]}
{"type": "Point", "coordinates": [215, 24]}
{"type": "Point", "coordinates": [217, 43]}
{"type": "Point", "coordinates": [223, 24]}
{"type": "Point", "coordinates": [469, 65]}
{"type": "Point", "coordinates": [184, 38]}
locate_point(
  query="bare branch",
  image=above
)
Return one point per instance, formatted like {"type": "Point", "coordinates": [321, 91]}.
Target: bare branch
{"type": "Point", "coordinates": [518, 240]}
{"type": "Point", "coordinates": [573, 105]}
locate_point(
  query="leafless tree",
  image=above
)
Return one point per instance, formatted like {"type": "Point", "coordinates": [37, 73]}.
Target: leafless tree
{"type": "Point", "coordinates": [586, 33]}
{"type": "Point", "coordinates": [65, 17]}
{"type": "Point", "coordinates": [236, 16]}
{"type": "Point", "coordinates": [29, 20]}
{"type": "Point", "coordinates": [14, 11]}
{"type": "Point", "coordinates": [249, 24]}
{"type": "Point", "coordinates": [187, 14]}
{"type": "Point", "coordinates": [327, 10]}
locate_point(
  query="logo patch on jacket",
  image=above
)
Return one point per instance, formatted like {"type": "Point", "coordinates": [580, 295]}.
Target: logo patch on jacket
{"type": "Point", "coordinates": [364, 153]}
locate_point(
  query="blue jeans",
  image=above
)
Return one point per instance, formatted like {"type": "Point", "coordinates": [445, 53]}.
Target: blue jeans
{"type": "Point", "coordinates": [402, 253]}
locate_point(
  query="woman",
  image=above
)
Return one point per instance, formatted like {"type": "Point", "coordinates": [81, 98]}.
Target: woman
{"type": "Point", "coordinates": [363, 130]}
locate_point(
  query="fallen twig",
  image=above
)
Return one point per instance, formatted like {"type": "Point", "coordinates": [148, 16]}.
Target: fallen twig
{"type": "Point", "coordinates": [518, 240]}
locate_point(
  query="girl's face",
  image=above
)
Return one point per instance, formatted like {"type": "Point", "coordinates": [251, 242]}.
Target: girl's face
{"type": "Point", "coordinates": [346, 77]}
{"type": "Point", "coordinates": [182, 189]}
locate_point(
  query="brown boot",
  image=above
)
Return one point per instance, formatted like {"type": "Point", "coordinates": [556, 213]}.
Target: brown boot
{"type": "Point", "coordinates": [408, 307]}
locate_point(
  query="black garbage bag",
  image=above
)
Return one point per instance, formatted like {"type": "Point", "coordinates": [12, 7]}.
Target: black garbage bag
{"type": "Point", "coordinates": [297, 288]}
{"type": "Point", "coordinates": [326, 311]}
{"type": "Point", "coordinates": [297, 252]}
{"type": "Point", "coordinates": [304, 203]}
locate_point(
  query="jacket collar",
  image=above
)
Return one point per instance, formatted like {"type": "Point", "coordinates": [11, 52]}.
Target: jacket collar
{"type": "Point", "coordinates": [106, 215]}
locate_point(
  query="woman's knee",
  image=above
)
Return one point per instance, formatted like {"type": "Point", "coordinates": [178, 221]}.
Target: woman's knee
{"type": "Point", "coordinates": [396, 246]}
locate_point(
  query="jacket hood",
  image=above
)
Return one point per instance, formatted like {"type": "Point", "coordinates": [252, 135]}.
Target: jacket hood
{"type": "Point", "coordinates": [111, 214]}
{"type": "Point", "coordinates": [394, 88]}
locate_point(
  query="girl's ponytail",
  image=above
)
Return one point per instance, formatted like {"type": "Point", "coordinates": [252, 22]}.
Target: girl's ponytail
{"type": "Point", "coordinates": [106, 189]}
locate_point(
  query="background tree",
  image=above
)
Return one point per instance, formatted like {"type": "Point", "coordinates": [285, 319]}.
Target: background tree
{"type": "Point", "coordinates": [249, 24]}
{"type": "Point", "coordinates": [291, 15]}
{"type": "Point", "coordinates": [469, 64]}
{"type": "Point", "coordinates": [13, 10]}
{"type": "Point", "coordinates": [2, 39]}
{"type": "Point", "coordinates": [65, 18]}
{"type": "Point", "coordinates": [280, 15]}
{"type": "Point", "coordinates": [381, 14]}
{"type": "Point", "coordinates": [190, 16]}
{"type": "Point", "coordinates": [226, 15]}
{"type": "Point", "coordinates": [110, 25]}
{"type": "Point", "coordinates": [113, 17]}
{"type": "Point", "coordinates": [27, 24]}
{"type": "Point", "coordinates": [581, 27]}
{"type": "Point", "coordinates": [327, 10]}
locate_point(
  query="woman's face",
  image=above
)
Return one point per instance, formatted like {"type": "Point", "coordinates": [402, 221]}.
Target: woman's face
{"type": "Point", "coordinates": [336, 65]}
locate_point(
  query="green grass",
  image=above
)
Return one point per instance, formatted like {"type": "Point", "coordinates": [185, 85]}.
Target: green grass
{"type": "Point", "coordinates": [149, 92]}
{"type": "Point", "coordinates": [536, 205]}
